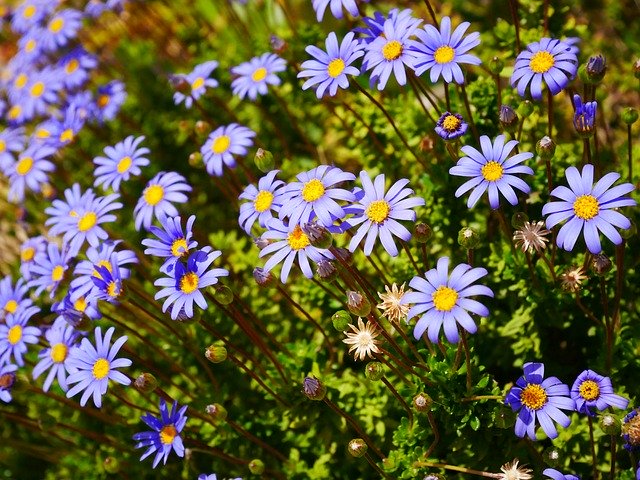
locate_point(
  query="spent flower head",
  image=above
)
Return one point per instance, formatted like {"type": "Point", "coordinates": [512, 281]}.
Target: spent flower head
{"type": "Point", "coordinates": [531, 236]}
{"type": "Point", "coordinates": [363, 340]}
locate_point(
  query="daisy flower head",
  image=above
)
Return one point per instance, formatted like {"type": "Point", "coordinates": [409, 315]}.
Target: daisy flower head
{"type": "Point", "coordinates": [375, 25]}
{"type": "Point", "coordinates": [30, 171]}
{"type": "Point", "coordinates": [549, 60]}
{"type": "Point", "coordinates": [173, 242]}
{"type": "Point", "coordinates": [49, 269]}
{"type": "Point", "coordinates": [557, 475]}
{"type": "Point", "coordinates": [261, 202]}
{"type": "Point", "coordinates": [76, 66]}
{"type": "Point", "coordinates": [62, 27]}
{"type": "Point", "coordinates": [198, 81]}
{"type": "Point", "coordinates": [12, 299]}
{"type": "Point", "coordinates": [158, 197]}
{"type": "Point", "coordinates": [315, 194]}
{"type": "Point", "coordinates": [584, 117]}
{"type": "Point", "coordinates": [592, 391]}
{"type": "Point", "coordinates": [62, 338]}
{"type": "Point", "coordinates": [41, 91]}
{"type": "Point", "coordinates": [109, 100]}
{"type": "Point", "coordinates": [165, 433]}
{"type": "Point", "coordinates": [31, 45]}
{"type": "Point", "coordinates": [30, 13]}
{"type": "Point", "coordinates": [61, 211]}
{"type": "Point", "coordinates": [12, 141]}
{"type": "Point", "coordinates": [589, 209]}
{"type": "Point", "coordinates": [58, 133]}
{"type": "Point", "coordinates": [29, 249]}
{"type": "Point", "coordinates": [329, 69]}
{"type": "Point", "coordinates": [252, 77]}
{"type": "Point", "coordinates": [535, 397]}
{"type": "Point", "coordinates": [493, 171]}
{"type": "Point", "coordinates": [7, 379]}
{"type": "Point", "coordinates": [390, 51]}
{"type": "Point", "coordinates": [93, 367]}
{"type": "Point", "coordinates": [122, 161]}
{"type": "Point", "coordinates": [15, 334]}
{"type": "Point", "coordinates": [378, 213]}
{"type": "Point", "coordinates": [451, 126]}
{"type": "Point", "coordinates": [441, 51]}
{"type": "Point", "coordinates": [363, 340]}
{"type": "Point", "coordinates": [442, 300]}
{"type": "Point", "coordinates": [222, 144]}
{"type": "Point", "coordinates": [75, 311]}
{"type": "Point", "coordinates": [336, 7]}
{"type": "Point", "coordinates": [182, 286]}
{"type": "Point", "coordinates": [290, 243]}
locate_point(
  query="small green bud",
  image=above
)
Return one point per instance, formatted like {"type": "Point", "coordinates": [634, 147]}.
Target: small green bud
{"type": "Point", "coordinates": [358, 304]}
{"type": "Point", "coordinates": [318, 235]}
{"type": "Point", "coordinates": [327, 271]}
{"type": "Point", "coordinates": [627, 233]}
{"type": "Point", "coordinates": [610, 424]}
{"type": "Point", "coordinates": [256, 466]}
{"type": "Point", "coordinates": [551, 456]}
{"type": "Point", "coordinates": [264, 160]}
{"type": "Point", "coordinates": [357, 447]}
{"type": "Point", "coordinates": [518, 219]}
{"type": "Point", "coordinates": [263, 278]}
{"type": "Point", "coordinates": [216, 411]}
{"type": "Point", "coordinates": [216, 353]}
{"type": "Point", "coordinates": [111, 465]}
{"type": "Point", "coordinates": [546, 148]}
{"type": "Point", "coordinates": [222, 294]}
{"type": "Point", "coordinates": [422, 232]}
{"type": "Point", "coordinates": [341, 320]}
{"type": "Point", "coordinates": [525, 108]}
{"type": "Point", "coordinates": [145, 383]}
{"type": "Point", "coordinates": [468, 238]}
{"type": "Point", "coordinates": [374, 371]}
{"type": "Point", "coordinates": [629, 115]}
{"type": "Point", "coordinates": [636, 68]}
{"type": "Point", "coordinates": [422, 402]}
{"type": "Point", "coordinates": [601, 264]}
{"type": "Point", "coordinates": [313, 388]}
{"type": "Point", "coordinates": [596, 68]}
{"type": "Point", "coordinates": [195, 160]}
{"type": "Point", "coordinates": [496, 65]}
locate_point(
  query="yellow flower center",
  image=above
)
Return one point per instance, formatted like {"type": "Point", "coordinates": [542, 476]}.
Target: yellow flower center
{"type": "Point", "coordinates": [102, 263]}
{"type": "Point", "coordinates": [492, 171]}
{"type": "Point", "coordinates": [71, 66]}
{"type": "Point", "coordinates": [11, 306]}
{"type": "Point", "coordinates": [259, 74]}
{"type": "Point", "coordinates": [113, 290]}
{"type": "Point", "coordinates": [444, 298]}
{"type": "Point", "coordinates": [589, 390]}
{"type": "Point", "coordinates": [103, 100]}
{"type": "Point", "coordinates": [66, 136]}
{"type": "Point", "coordinates": [29, 12]}
{"type": "Point", "coordinates": [263, 201]}
{"type": "Point", "coordinates": [57, 273]}
{"type": "Point", "coordinates": [101, 368]}
{"type": "Point", "coordinates": [42, 133]}
{"type": "Point", "coordinates": [153, 194]}
{"type": "Point", "coordinates": [27, 254]}
{"type": "Point", "coordinates": [24, 166]}
{"type": "Point", "coordinates": [392, 50]}
{"type": "Point", "coordinates": [3, 146]}
{"type": "Point", "coordinates": [30, 45]}
{"type": "Point", "coordinates": [179, 247]}
{"type": "Point", "coordinates": [444, 54]}
{"type": "Point", "coordinates": [541, 62]}
{"type": "Point", "coordinates": [37, 89]}
{"type": "Point", "coordinates": [189, 282]}
{"type": "Point", "coordinates": [197, 83]}
{"type": "Point", "coordinates": [124, 164]}
{"type": "Point", "coordinates": [451, 123]}
{"type": "Point", "coordinates": [167, 434]}
{"type": "Point", "coordinates": [80, 304]}
{"type": "Point", "coordinates": [533, 396]}
{"type": "Point", "coordinates": [87, 221]}
{"type": "Point", "coordinates": [220, 144]}
{"type": "Point", "coordinates": [378, 211]}
{"type": "Point", "coordinates": [21, 80]}
{"type": "Point", "coordinates": [586, 207]}
{"type": "Point", "coordinates": [15, 334]}
{"type": "Point", "coordinates": [59, 352]}
{"type": "Point", "coordinates": [56, 25]}
{"type": "Point", "coordinates": [335, 67]}
{"type": "Point", "coordinates": [312, 190]}
{"type": "Point", "coordinates": [297, 239]}
{"type": "Point", "coordinates": [14, 112]}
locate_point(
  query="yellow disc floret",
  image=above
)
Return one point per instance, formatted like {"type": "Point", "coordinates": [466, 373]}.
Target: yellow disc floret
{"type": "Point", "coordinates": [392, 50]}
{"type": "Point", "coordinates": [189, 282]}
{"type": "Point", "coordinates": [220, 144]}
{"type": "Point", "coordinates": [533, 396]}
{"type": "Point", "coordinates": [11, 306]}
{"type": "Point", "coordinates": [153, 194]}
{"type": "Point", "coordinates": [541, 62]}
{"type": "Point", "coordinates": [167, 434]}
{"type": "Point", "coordinates": [335, 67]}
{"type": "Point", "coordinates": [589, 390]}
{"type": "Point", "coordinates": [37, 89]}
{"type": "Point", "coordinates": [87, 221]}
{"type": "Point", "coordinates": [24, 166]}
{"type": "Point", "coordinates": [263, 201]}
{"type": "Point", "coordinates": [586, 207]}
{"type": "Point", "coordinates": [56, 25]}
{"type": "Point", "coordinates": [59, 352]}
{"type": "Point", "coordinates": [312, 190]}
{"type": "Point", "coordinates": [124, 164]}
{"type": "Point", "coordinates": [57, 273]}
{"type": "Point", "coordinates": [101, 368]}
{"type": "Point", "coordinates": [15, 334]}
{"type": "Point", "coordinates": [179, 247]}
{"type": "Point", "coordinates": [297, 239]}
{"type": "Point", "coordinates": [259, 74]}
{"type": "Point", "coordinates": [197, 83]}
{"type": "Point", "coordinates": [444, 54]}
{"type": "Point", "coordinates": [451, 123]}
{"type": "Point", "coordinates": [378, 211]}
{"type": "Point", "coordinates": [444, 298]}
{"type": "Point", "coordinates": [492, 171]}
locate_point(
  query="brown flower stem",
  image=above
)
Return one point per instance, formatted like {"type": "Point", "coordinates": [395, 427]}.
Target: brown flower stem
{"type": "Point", "coordinates": [330, 292]}
{"type": "Point", "coordinates": [375, 320]}
{"type": "Point", "coordinates": [412, 346]}
{"type": "Point", "coordinates": [375, 466]}
{"type": "Point", "coordinates": [470, 256]}
{"type": "Point", "coordinates": [243, 366]}
{"type": "Point", "coordinates": [532, 272]}
{"type": "Point", "coordinates": [377, 269]}
{"type": "Point", "coordinates": [419, 98]}
{"type": "Point", "coordinates": [455, 468]}
{"type": "Point", "coordinates": [547, 165]}
{"type": "Point", "coordinates": [400, 399]}
{"type": "Point", "coordinates": [447, 100]}
{"type": "Point", "coordinates": [405, 246]}
{"type": "Point", "coordinates": [594, 458]}
{"type": "Point", "coordinates": [546, 16]}
{"type": "Point", "coordinates": [436, 435]}
{"type": "Point", "coordinates": [513, 6]}
{"type": "Point", "coordinates": [425, 258]}
{"type": "Point", "coordinates": [612, 464]}
{"type": "Point", "coordinates": [629, 154]}
{"type": "Point", "coordinates": [586, 311]}
{"type": "Point", "coordinates": [432, 13]}
{"type": "Point", "coordinates": [467, 106]}
{"type": "Point", "coordinates": [549, 114]}
{"type": "Point", "coordinates": [467, 356]}
{"type": "Point", "coordinates": [426, 94]}
{"type": "Point", "coordinates": [381, 358]}
{"type": "Point", "coordinates": [370, 131]}
{"type": "Point", "coordinates": [586, 155]}
{"type": "Point", "coordinates": [507, 231]}
{"type": "Point", "coordinates": [552, 271]}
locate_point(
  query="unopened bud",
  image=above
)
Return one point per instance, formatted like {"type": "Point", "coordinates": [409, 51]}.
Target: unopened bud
{"type": "Point", "coordinates": [145, 383]}
{"type": "Point", "coordinates": [341, 320]}
{"type": "Point", "coordinates": [596, 68]}
{"type": "Point", "coordinates": [318, 235]}
{"type": "Point", "coordinates": [277, 44]}
{"type": "Point", "coordinates": [496, 65]}
{"type": "Point", "coordinates": [518, 219]}
{"type": "Point", "coordinates": [256, 466]}
{"type": "Point", "coordinates": [374, 371]}
{"type": "Point", "coordinates": [343, 255]}
{"type": "Point", "coordinates": [422, 402]}
{"type": "Point", "coordinates": [508, 118]}
{"type": "Point", "coordinates": [313, 388]}
{"type": "Point", "coordinates": [202, 127]}
{"type": "Point", "coordinates": [610, 424]}
{"type": "Point", "coordinates": [601, 264]}
{"type": "Point", "coordinates": [264, 160]}
{"type": "Point", "coordinates": [216, 411]}
{"type": "Point", "coordinates": [357, 447]}
{"type": "Point", "coordinates": [263, 278]}
{"type": "Point", "coordinates": [422, 232]}
{"type": "Point", "coordinates": [468, 238]}
{"type": "Point", "coordinates": [222, 294]}
{"type": "Point", "coordinates": [327, 271]}
{"type": "Point", "coordinates": [551, 456]}
{"type": "Point", "coordinates": [261, 242]}
{"type": "Point", "coordinates": [195, 160]}
{"type": "Point", "coordinates": [525, 108]}
{"type": "Point", "coordinates": [636, 68]}
{"type": "Point", "coordinates": [111, 465]}
{"type": "Point", "coordinates": [216, 353]}
{"type": "Point", "coordinates": [546, 148]}
{"type": "Point", "coordinates": [629, 115]}
{"type": "Point", "coordinates": [48, 191]}
{"type": "Point", "coordinates": [358, 304]}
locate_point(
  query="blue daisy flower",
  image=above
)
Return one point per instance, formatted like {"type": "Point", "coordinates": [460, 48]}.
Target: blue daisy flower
{"type": "Point", "coordinates": [42, 91]}
{"type": "Point", "coordinates": [31, 45]}
{"type": "Point", "coordinates": [30, 13]}
{"type": "Point", "coordinates": [16, 77]}
{"type": "Point", "coordinates": [62, 211]}
{"type": "Point", "coordinates": [198, 81]}
{"type": "Point", "coordinates": [222, 144]}
{"type": "Point", "coordinates": [535, 397]}
{"type": "Point", "coordinates": [165, 433]}
{"type": "Point", "coordinates": [592, 391]}
{"type": "Point", "coordinates": [62, 27]}
{"type": "Point", "coordinates": [557, 475]}
{"type": "Point", "coordinates": [30, 171]}
{"type": "Point", "coordinates": [84, 104]}
{"type": "Point", "coordinates": [336, 7]}
{"type": "Point", "coordinates": [15, 335]}
{"type": "Point", "coordinates": [12, 140]}
{"type": "Point", "coordinates": [74, 311]}
{"type": "Point", "coordinates": [28, 251]}
{"type": "Point", "coordinates": [492, 170]}
{"type": "Point", "coordinates": [182, 287]}
{"type": "Point", "coordinates": [108, 283]}
{"type": "Point", "coordinates": [375, 25]}
{"type": "Point", "coordinates": [390, 51]}
{"type": "Point", "coordinates": [109, 100]}
{"type": "Point", "coordinates": [173, 243]}
{"type": "Point", "coordinates": [49, 269]}
{"type": "Point", "coordinates": [329, 70]}
{"type": "Point", "coordinates": [378, 213]}
{"type": "Point", "coordinates": [158, 197]}
{"type": "Point", "coordinates": [549, 60]}
{"type": "Point", "coordinates": [442, 300]}
{"type": "Point", "coordinates": [76, 66]}
{"type": "Point", "coordinates": [95, 366]}
{"type": "Point", "coordinates": [57, 133]}
{"type": "Point", "coordinates": [451, 126]}
{"type": "Point", "coordinates": [584, 117]}
{"type": "Point", "coordinates": [589, 208]}
{"type": "Point", "coordinates": [441, 52]}
{"type": "Point", "coordinates": [62, 338]}
{"type": "Point", "coordinates": [7, 379]}
{"type": "Point", "coordinates": [315, 194]}
{"type": "Point", "coordinates": [254, 76]}
{"type": "Point", "coordinates": [12, 299]}
{"type": "Point", "coordinates": [262, 201]}
{"type": "Point", "coordinates": [122, 160]}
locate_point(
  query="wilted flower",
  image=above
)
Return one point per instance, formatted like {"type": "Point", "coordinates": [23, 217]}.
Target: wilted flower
{"type": "Point", "coordinates": [511, 471]}
{"type": "Point", "coordinates": [572, 279]}
{"type": "Point", "coordinates": [531, 236]}
{"type": "Point", "coordinates": [363, 340]}
{"type": "Point", "coordinates": [391, 307]}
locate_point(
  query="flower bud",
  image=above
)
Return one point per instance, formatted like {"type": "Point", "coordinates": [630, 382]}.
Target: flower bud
{"type": "Point", "coordinates": [261, 242]}
{"type": "Point", "coordinates": [508, 118]}
{"type": "Point", "coordinates": [216, 353]}
{"type": "Point", "coordinates": [468, 238]}
{"type": "Point", "coordinates": [327, 271]}
{"type": "Point", "coordinates": [277, 44]}
{"type": "Point", "coordinates": [629, 115]}
{"type": "Point", "coordinates": [636, 68]}
{"type": "Point", "coordinates": [180, 84]}
{"type": "Point", "coordinates": [195, 160]}
{"type": "Point", "coordinates": [422, 402]}
{"type": "Point", "coordinates": [264, 160]}
{"type": "Point", "coordinates": [202, 128]}
{"type": "Point", "coordinates": [256, 466]}
{"type": "Point", "coordinates": [551, 456]}
{"type": "Point", "coordinates": [600, 264]}
{"type": "Point", "coordinates": [610, 424]}
{"type": "Point", "coordinates": [222, 294]}
{"type": "Point", "coordinates": [374, 371]}
{"type": "Point", "coordinates": [496, 65]}
{"type": "Point", "coordinates": [145, 383]}
{"type": "Point", "coordinates": [313, 388]}
{"type": "Point", "coordinates": [318, 235]}
{"type": "Point", "coordinates": [357, 447]}
{"type": "Point", "coordinates": [48, 191]}
{"type": "Point", "coordinates": [546, 148]}
{"type": "Point", "coordinates": [422, 232]}
{"type": "Point", "coordinates": [341, 320]}
{"type": "Point", "coordinates": [518, 219]}
{"type": "Point", "coordinates": [358, 304]}
{"type": "Point", "coordinates": [263, 279]}
{"type": "Point", "coordinates": [525, 108]}
{"type": "Point", "coordinates": [216, 411]}
{"type": "Point", "coordinates": [596, 68]}
{"type": "Point", "coordinates": [343, 255]}
{"type": "Point", "coordinates": [111, 465]}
